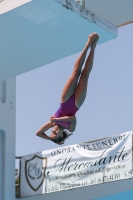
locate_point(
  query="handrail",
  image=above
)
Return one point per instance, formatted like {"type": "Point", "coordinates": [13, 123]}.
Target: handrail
{"type": "Point", "coordinates": [18, 157]}
{"type": "Point", "coordinates": [18, 184]}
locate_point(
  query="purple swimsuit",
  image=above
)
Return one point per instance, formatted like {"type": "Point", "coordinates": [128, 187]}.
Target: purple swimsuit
{"type": "Point", "coordinates": [67, 108]}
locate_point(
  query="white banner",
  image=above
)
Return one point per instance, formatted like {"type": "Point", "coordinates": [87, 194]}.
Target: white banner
{"type": "Point", "coordinates": [78, 165]}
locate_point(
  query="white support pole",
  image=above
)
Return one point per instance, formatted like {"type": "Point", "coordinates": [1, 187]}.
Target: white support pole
{"type": "Point", "coordinates": [7, 139]}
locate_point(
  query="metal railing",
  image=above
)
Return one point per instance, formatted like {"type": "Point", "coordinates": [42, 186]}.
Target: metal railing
{"type": "Point", "coordinates": [17, 185]}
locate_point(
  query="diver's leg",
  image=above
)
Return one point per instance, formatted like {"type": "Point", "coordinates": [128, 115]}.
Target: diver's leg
{"type": "Point", "coordinates": [81, 90]}
{"type": "Point", "coordinates": [71, 84]}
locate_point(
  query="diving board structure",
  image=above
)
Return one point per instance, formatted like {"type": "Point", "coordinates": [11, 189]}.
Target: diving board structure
{"type": "Point", "coordinates": [38, 26]}
{"type": "Point", "coordinates": [34, 33]}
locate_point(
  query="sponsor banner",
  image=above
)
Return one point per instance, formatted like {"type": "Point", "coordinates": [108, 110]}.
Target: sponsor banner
{"type": "Point", "coordinates": [92, 17]}
{"type": "Point", "coordinates": [78, 165]}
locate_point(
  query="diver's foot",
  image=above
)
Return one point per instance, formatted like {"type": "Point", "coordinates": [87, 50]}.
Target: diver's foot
{"type": "Point", "coordinates": [91, 38]}
{"type": "Point", "coordinates": [94, 43]}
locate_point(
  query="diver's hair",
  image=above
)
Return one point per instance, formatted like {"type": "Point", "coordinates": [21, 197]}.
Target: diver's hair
{"type": "Point", "coordinates": [66, 134]}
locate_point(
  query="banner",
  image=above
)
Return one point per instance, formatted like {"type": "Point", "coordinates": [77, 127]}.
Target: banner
{"type": "Point", "coordinates": [78, 165]}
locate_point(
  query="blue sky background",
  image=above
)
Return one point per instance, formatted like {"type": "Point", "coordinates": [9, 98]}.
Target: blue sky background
{"type": "Point", "coordinates": [108, 109]}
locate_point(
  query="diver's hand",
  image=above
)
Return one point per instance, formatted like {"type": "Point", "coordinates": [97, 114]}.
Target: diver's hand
{"type": "Point", "coordinates": [52, 119]}
{"type": "Point", "coordinates": [94, 43]}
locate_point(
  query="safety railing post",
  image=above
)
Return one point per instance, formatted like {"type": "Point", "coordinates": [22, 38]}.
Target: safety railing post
{"type": "Point", "coordinates": [19, 195]}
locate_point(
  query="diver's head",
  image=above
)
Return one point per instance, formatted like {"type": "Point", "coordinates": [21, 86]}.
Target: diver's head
{"type": "Point", "coordinates": [59, 134]}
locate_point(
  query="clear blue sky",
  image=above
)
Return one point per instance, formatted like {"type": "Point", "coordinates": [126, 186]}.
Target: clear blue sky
{"type": "Point", "coordinates": [108, 109]}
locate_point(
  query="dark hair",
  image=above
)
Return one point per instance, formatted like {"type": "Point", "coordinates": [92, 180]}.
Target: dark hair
{"type": "Point", "coordinates": [66, 134]}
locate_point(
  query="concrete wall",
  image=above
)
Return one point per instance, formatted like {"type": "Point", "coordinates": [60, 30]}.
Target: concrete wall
{"type": "Point", "coordinates": [7, 139]}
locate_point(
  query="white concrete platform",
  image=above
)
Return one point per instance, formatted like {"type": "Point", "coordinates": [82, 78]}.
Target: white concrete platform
{"type": "Point", "coordinates": [7, 5]}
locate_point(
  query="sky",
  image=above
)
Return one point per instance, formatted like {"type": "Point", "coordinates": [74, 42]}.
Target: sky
{"type": "Point", "coordinates": [107, 110]}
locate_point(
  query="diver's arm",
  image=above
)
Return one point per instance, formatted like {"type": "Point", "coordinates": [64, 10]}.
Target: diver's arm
{"type": "Point", "coordinates": [64, 119]}
{"type": "Point", "coordinates": [72, 126]}
{"type": "Point", "coordinates": [43, 135]}
{"type": "Point", "coordinates": [45, 127]}
{"type": "Point", "coordinates": [71, 119]}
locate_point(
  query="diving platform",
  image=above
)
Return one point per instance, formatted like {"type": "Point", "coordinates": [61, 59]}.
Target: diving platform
{"type": "Point", "coordinates": [37, 32]}
{"type": "Point", "coordinates": [44, 31]}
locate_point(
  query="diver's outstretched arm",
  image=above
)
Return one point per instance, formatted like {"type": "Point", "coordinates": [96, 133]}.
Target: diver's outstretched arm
{"type": "Point", "coordinates": [45, 127]}
{"type": "Point", "coordinates": [71, 119]}
{"type": "Point", "coordinates": [44, 136]}
{"type": "Point", "coordinates": [64, 118]}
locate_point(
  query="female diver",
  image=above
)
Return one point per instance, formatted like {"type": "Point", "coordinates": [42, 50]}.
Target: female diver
{"type": "Point", "coordinates": [73, 96]}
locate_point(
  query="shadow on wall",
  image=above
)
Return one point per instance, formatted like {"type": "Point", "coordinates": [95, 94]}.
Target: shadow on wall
{"type": "Point", "coordinates": [3, 91]}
